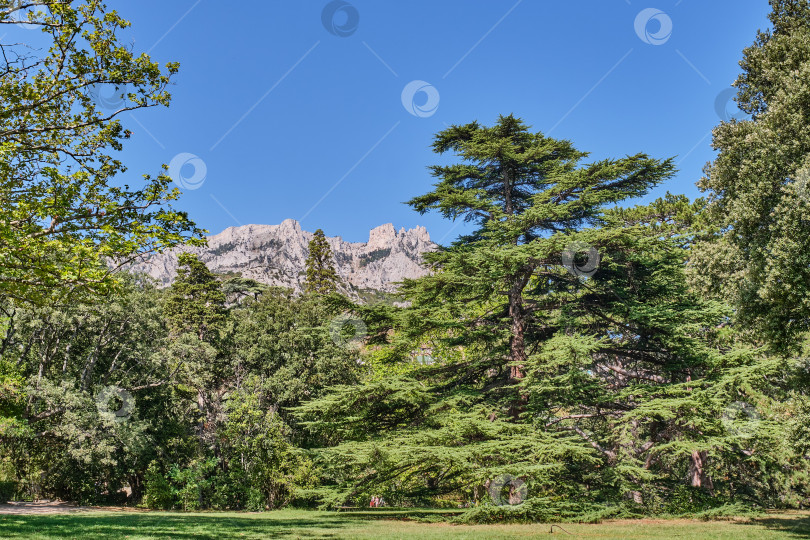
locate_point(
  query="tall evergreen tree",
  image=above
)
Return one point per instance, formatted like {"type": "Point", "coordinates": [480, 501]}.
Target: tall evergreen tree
{"type": "Point", "coordinates": [632, 395]}
{"type": "Point", "coordinates": [520, 189]}
{"type": "Point", "coordinates": [321, 275]}
{"type": "Point", "coordinates": [755, 253]}
{"type": "Point", "coordinates": [196, 316]}
{"type": "Point", "coordinates": [196, 302]}
{"type": "Point", "coordinates": [613, 372]}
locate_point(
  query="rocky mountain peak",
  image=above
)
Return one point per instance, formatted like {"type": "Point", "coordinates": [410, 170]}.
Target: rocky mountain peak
{"type": "Point", "coordinates": [381, 237]}
{"type": "Point", "coordinates": [290, 224]}
{"type": "Point", "coordinates": [276, 255]}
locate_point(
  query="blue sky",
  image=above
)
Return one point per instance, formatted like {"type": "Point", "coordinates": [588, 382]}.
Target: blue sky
{"type": "Point", "coordinates": [290, 119]}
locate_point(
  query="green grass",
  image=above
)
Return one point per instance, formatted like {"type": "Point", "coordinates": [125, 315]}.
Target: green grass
{"type": "Point", "coordinates": [376, 525]}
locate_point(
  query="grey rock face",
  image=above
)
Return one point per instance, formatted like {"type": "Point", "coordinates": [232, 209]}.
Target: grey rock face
{"type": "Point", "coordinates": [276, 255]}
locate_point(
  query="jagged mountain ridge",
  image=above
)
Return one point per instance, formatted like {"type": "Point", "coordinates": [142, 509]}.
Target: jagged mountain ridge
{"type": "Point", "coordinates": [276, 255]}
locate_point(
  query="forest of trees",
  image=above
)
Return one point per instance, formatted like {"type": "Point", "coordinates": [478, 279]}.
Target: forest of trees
{"type": "Point", "coordinates": [575, 355]}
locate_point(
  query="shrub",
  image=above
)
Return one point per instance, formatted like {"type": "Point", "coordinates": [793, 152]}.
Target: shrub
{"type": "Point", "coordinates": [158, 492]}
{"type": "Point", "coordinates": [8, 490]}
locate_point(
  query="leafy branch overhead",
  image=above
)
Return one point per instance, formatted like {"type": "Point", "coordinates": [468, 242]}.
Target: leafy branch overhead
{"type": "Point", "coordinates": [70, 212]}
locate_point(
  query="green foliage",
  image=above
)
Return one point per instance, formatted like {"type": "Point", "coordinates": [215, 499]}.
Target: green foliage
{"type": "Point", "coordinates": [545, 510]}
{"type": "Point", "coordinates": [65, 361]}
{"type": "Point", "coordinates": [202, 390]}
{"type": "Point", "coordinates": [190, 484]}
{"type": "Point", "coordinates": [321, 275]}
{"type": "Point", "coordinates": [528, 194]}
{"type": "Point", "coordinates": [756, 251]}
{"type": "Point", "coordinates": [255, 442]}
{"type": "Point", "coordinates": [196, 303]}
{"type": "Point", "coordinates": [687, 500]}
{"type": "Point", "coordinates": [237, 288]}
{"type": "Point", "coordinates": [7, 491]}
{"type": "Point", "coordinates": [625, 387]}
{"type": "Point", "coordinates": [67, 211]}
{"type": "Point", "coordinates": [376, 255]}
{"type": "Point", "coordinates": [286, 342]}
{"type": "Point", "coordinates": [256, 467]}
{"type": "Point", "coordinates": [158, 492]}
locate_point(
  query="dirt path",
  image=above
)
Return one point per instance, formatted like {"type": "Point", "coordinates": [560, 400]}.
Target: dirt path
{"type": "Point", "coordinates": [54, 507]}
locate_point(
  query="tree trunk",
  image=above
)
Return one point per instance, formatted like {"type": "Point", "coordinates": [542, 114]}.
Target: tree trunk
{"type": "Point", "coordinates": [517, 344]}
{"type": "Point", "coordinates": [203, 417]}
{"type": "Point", "coordinates": [517, 347]}
{"type": "Point", "coordinates": [697, 472]}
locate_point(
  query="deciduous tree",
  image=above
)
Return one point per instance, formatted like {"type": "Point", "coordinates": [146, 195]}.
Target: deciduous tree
{"type": "Point", "coordinates": [69, 211]}
{"type": "Point", "coordinates": [758, 251]}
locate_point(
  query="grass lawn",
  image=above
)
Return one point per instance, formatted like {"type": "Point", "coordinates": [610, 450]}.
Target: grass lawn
{"type": "Point", "coordinates": [309, 524]}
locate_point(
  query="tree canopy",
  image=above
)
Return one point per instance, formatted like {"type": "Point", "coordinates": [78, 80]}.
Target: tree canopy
{"type": "Point", "coordinates": [757, 250]}
{"type": "Point", "coordinates": [529, 195]}
{"type": "Point", "coordinates": [69, 210]}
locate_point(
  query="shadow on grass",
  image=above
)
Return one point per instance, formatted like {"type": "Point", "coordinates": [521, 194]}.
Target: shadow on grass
{"type": "Point", "coordinates": [794, 526]}
{"type": "Point", "coordinates": [183, 526]}
{"type": "Point", "coordinates": [143, 525]}
{"type": "Point", "coordinates": [400, 513]}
